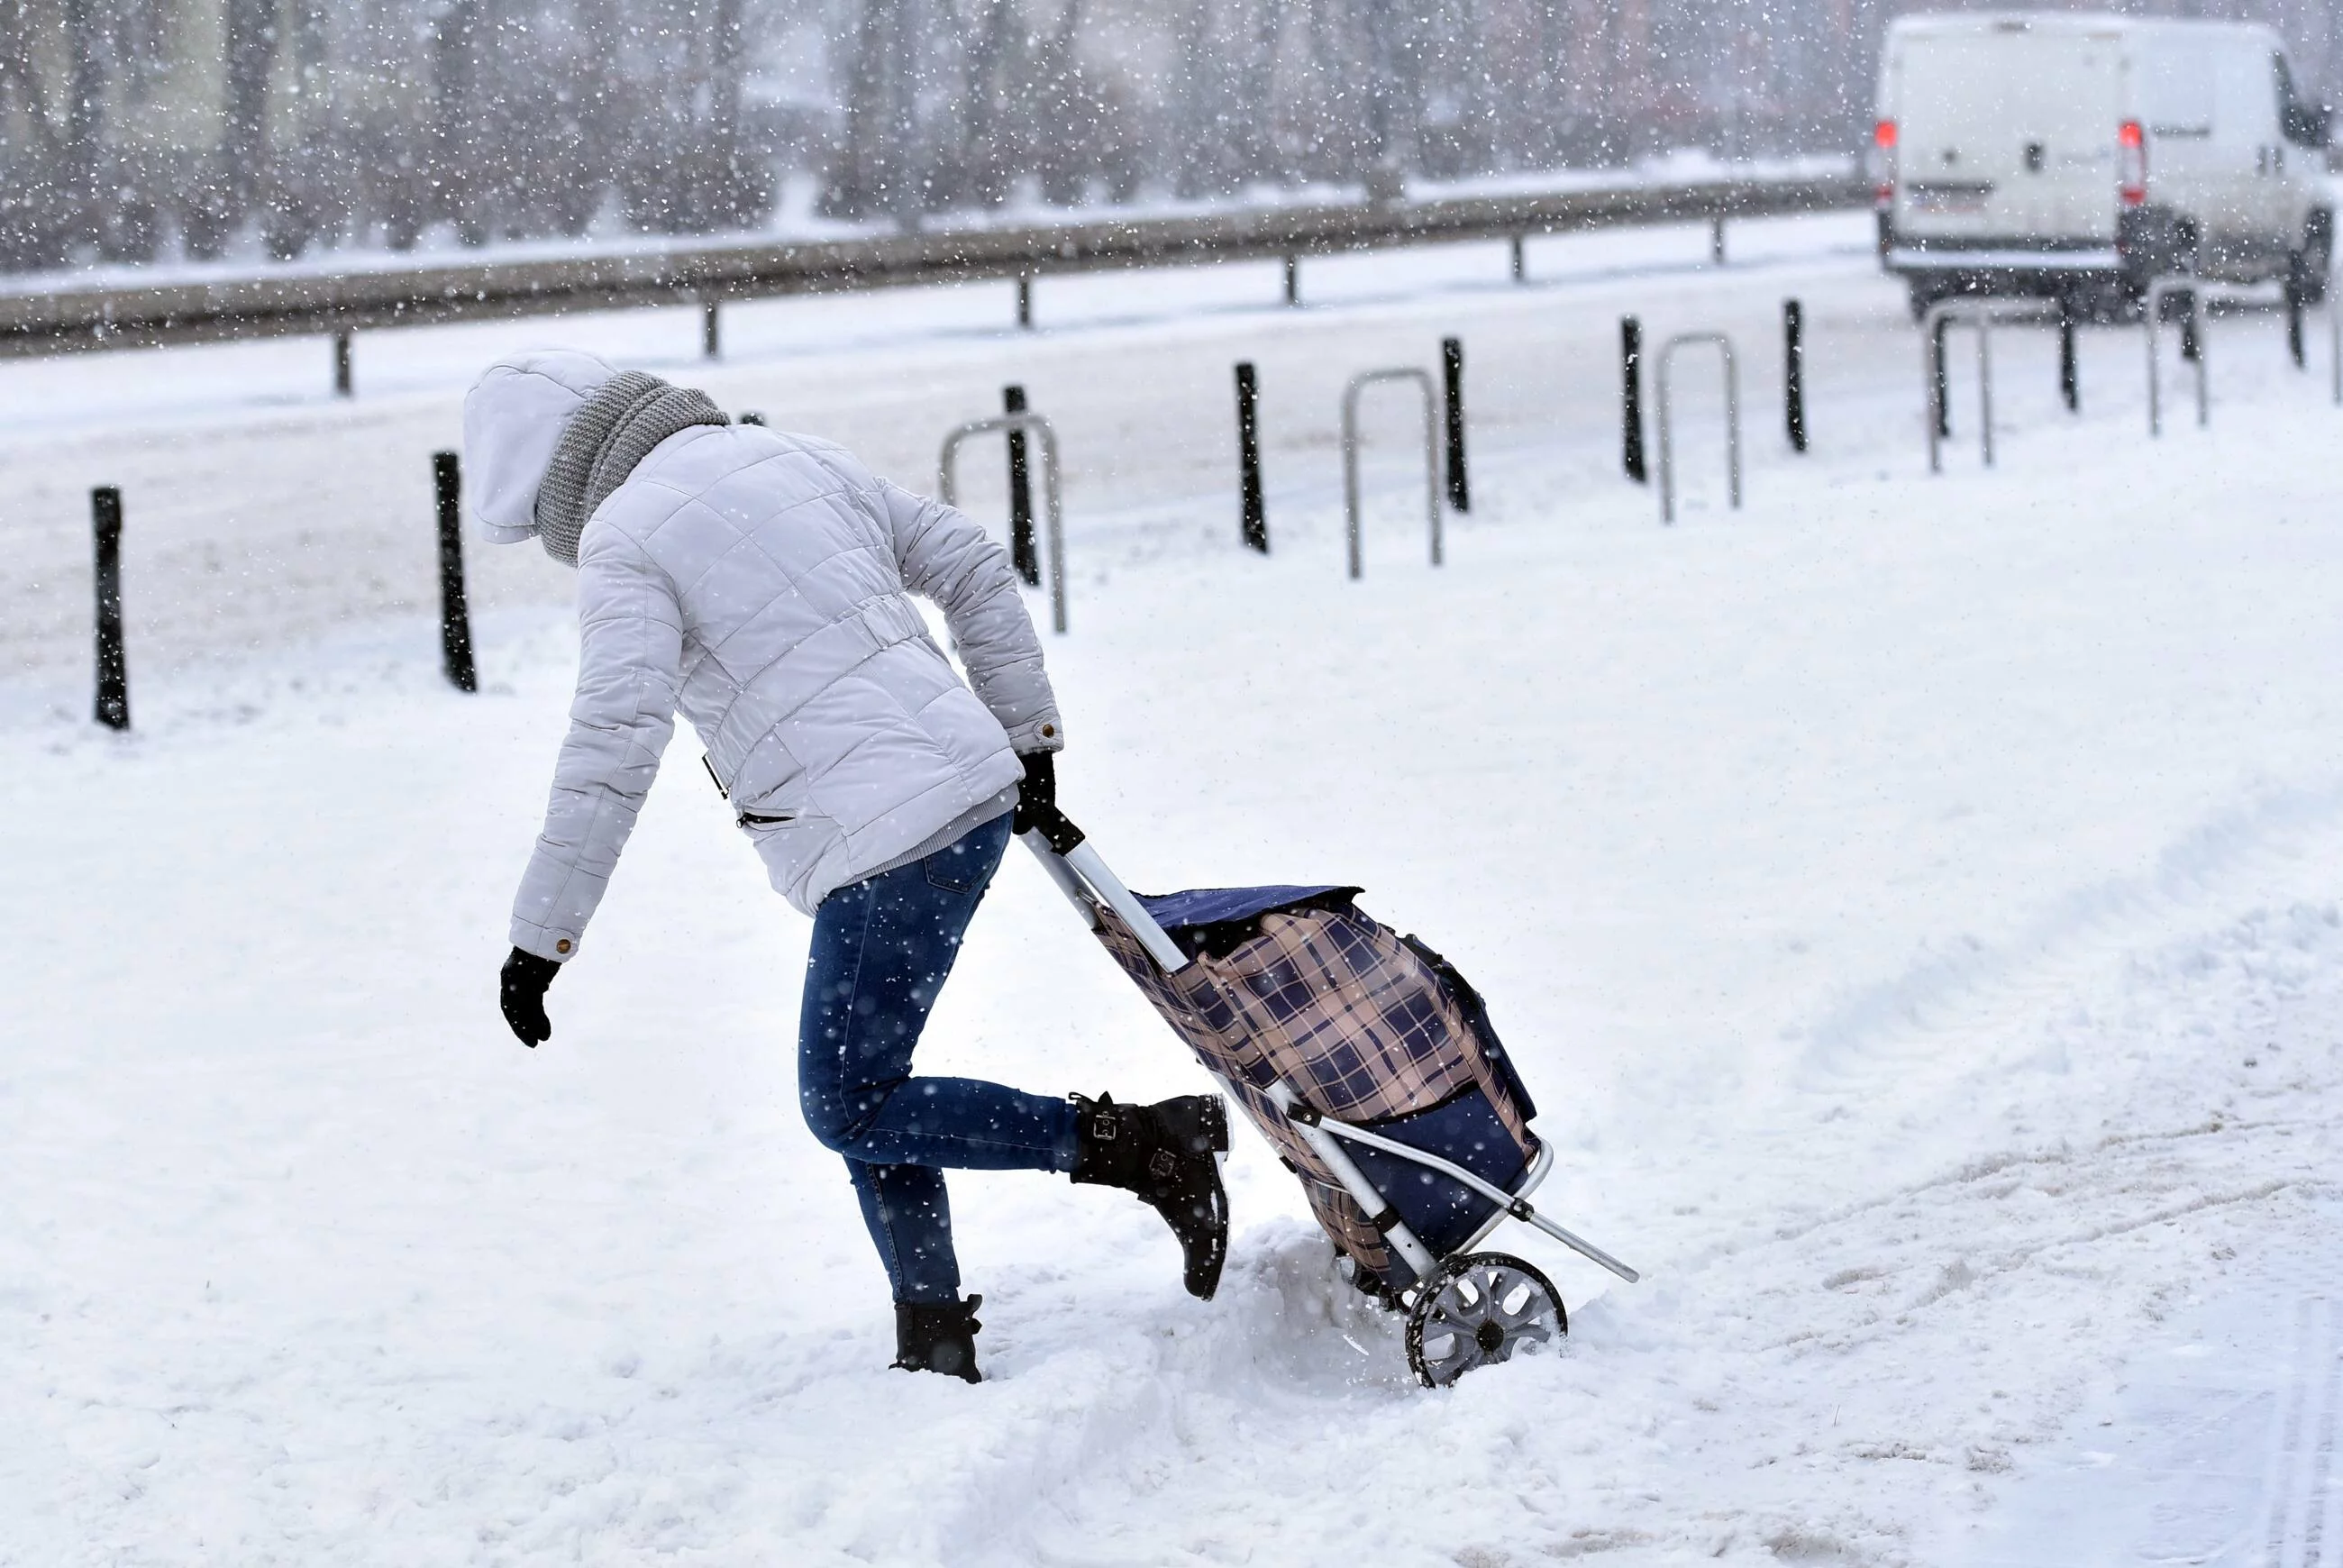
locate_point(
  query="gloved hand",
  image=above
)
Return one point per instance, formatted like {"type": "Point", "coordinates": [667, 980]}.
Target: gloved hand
{"type": "Point", "coordinates": [521, 989]}
{"type": "Point", "coordinates": [1037, 804]}
{"type": "Point", "coordinates": [1036, 793]}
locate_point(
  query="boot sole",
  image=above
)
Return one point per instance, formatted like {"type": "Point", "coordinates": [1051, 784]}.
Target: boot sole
{"type": "Point", "coordinates": [1203, 1289]}
{"type": "Point", "coordinates": [1202, 1123]}
{"type": "Point", "coordinates": [1215, 1131]}
{"type": "Point", "coordinates": [1200, 1265]}
{"type": "Point", "coordinates": [1199, 1125]}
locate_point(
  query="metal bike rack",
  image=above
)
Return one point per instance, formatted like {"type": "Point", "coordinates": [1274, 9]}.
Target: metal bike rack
{"type": "Point", "coordinates": [1033, 424]}
{"type": "Point", "coordinates": [2199, 293]}
{"type": "Point", "coordinates": [1981, 315]}
{"type": "Point", "coordinates": [2159, 289]}
{"type": "Point", "coordinates": [2334, 333]}
{"type": "Point", "coordinates": [1732, 420]}
{"type": "Point", "coordinates": [1358, 384]}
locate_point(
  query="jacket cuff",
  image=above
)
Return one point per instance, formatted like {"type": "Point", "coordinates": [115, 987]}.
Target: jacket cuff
{"type": "Point", "coordinates": [1042, 734]}
{"type": "Point", "coordinates": [558, 946]}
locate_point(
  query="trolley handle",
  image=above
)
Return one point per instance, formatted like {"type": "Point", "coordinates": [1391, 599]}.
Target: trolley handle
{"type": "Point", "coordinates": [1066, 855]}
{"type": "Point", "coordinates": [1055, 826]}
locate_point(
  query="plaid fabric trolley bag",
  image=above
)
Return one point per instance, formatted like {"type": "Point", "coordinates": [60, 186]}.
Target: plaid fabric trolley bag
{"type": "Point", "coordinates": [1370, 1066]}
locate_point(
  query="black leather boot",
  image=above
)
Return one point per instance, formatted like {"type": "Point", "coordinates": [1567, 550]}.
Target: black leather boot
{"type": "Point", "coordinates": [1164, 1153]}
{"type": "Point", "coordinates": [937, 1337]}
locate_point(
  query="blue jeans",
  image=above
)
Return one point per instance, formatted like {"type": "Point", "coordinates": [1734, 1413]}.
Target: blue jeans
{"type": "Point", "coordinates": [881, 948]}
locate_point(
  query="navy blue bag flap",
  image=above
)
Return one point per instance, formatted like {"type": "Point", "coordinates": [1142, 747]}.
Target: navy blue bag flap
{"type": "Point", "coordinates": [1219, 906]}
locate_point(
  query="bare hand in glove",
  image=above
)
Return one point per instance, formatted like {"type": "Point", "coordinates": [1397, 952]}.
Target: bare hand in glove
{"type": "Point", "coordinates": [521, 989]}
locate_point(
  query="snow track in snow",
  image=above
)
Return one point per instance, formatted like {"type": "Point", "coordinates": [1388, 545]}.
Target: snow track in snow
{"type": "Point", "coordinates": [1974, 990]}
{"type": "Point", "coordinates": [2302, 1474]}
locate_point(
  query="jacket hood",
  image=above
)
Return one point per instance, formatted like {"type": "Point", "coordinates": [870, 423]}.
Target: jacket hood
{"type": "Point", "coordinates": [513, 418]}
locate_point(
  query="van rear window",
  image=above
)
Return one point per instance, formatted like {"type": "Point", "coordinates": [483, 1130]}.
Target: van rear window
{"type": "Point", "coordinates": [2176, 94]}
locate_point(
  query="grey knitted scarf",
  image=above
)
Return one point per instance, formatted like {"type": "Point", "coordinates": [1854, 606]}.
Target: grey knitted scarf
{"type": "Point", "coordinates": [602, 443]}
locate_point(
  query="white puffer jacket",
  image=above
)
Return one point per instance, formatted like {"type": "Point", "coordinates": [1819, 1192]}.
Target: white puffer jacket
{"type": "Point", "coordinates": [757, 583]}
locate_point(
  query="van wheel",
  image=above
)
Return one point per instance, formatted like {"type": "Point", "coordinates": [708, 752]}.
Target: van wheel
{"type": "Point", "coordinates": [2307, 269]}
{"type": "Point", "coordinates": [2106, 301]}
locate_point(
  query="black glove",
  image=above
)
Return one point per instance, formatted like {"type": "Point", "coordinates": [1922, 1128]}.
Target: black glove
{"type": "Point", "coordinates": [1037, 804]}
{"type": "Point", "coordinates": [521, 989]}
{"type": "Point", "coordinates": [1036, 793]}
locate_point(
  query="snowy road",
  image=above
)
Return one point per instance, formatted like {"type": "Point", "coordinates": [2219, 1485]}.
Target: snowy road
{"type": "Point", "coordinates": [1915, 904]}
{"type": "Point", "coordinates": [2218, 1445]}
{"type": "Point", "coordinates": [234, 542]}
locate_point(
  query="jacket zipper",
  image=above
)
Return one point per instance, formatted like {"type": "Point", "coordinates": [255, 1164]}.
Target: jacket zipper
{"type": "Point", "coordinates": [747, 818]}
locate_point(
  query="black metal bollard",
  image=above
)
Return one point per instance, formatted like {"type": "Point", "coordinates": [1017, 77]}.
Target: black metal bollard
{"type": "Point", "coordinates": [113, 667]}
{"type": "Point", "coordinates": [454, 613]}
{"type": "Point", "coordinates": [1943, 386]}
{"type": "Point", "coordinates": [1794, 372]}
{"type": "Point", "coordinates": [2294, 323]}
{"type": "Point", "coordinates": [1021, 552]}
{"type": "Point", "coordinates": [343, 384]}
{"type": "Point", "coordinates": [2070, 373]}
{"type": "Point", "coordinates": [1255, 518]}
{"type": "Point", "coordinates": [1631, 393]}
{"type": "Point", "coordinates": [2189, 348]}
{"type": "Point", "coordinates": [1452, 366]}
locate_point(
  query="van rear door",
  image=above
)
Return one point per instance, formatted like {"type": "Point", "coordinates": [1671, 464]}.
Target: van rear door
{"type": "Point", "coordinates": [2245, 136]}
{"type": "Point", "coordinates": [2173, 76]}
{"type": "Point", "coordinates": [2006, 133]}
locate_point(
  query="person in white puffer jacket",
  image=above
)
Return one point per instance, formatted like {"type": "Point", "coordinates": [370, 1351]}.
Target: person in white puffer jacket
{"type": "Point", "coordinates": [758, 583]}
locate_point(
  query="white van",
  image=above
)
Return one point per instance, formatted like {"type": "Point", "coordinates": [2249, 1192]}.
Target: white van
{"type": "Point", "coordinates": [2079, 155]}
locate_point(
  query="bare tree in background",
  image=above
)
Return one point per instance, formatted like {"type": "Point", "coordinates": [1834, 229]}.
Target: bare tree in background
{"type": "Point", "coordinates": [136, 129]}
{"type": "Point", "coordinates": [986, 153]}
{"type": "Point", "coordinates": [868, 168]}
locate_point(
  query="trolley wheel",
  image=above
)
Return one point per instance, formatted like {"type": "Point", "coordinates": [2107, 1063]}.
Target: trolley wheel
{"type": "Point", "coordinates": [1480, 1308]}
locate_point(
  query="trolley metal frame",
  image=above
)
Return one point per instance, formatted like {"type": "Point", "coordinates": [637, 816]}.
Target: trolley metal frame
{"type": "Point", "coordinates": [1086, 881]}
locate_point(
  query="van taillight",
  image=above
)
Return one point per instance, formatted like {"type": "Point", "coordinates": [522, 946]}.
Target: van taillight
{"type": "Point", "coordinates": [1883, 162]}
{"type": "Point", "coordinates": [2131, 163]}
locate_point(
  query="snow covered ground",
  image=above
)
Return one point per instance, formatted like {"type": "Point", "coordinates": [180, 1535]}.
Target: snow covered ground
{"type": "Point", "coordinates": [1914, 901]}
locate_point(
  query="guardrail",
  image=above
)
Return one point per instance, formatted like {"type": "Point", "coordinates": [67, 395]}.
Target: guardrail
{"type": "Point", "coordinates": [283, 303]}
